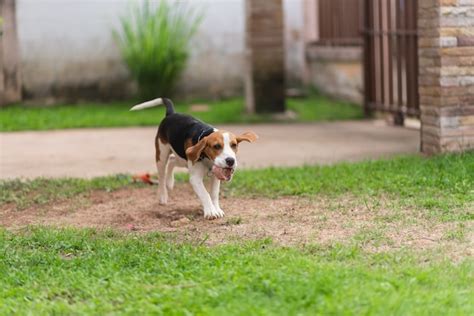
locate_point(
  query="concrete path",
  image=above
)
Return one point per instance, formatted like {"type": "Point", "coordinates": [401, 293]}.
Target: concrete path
{"type": "Point", "coordinates": [96, 152]}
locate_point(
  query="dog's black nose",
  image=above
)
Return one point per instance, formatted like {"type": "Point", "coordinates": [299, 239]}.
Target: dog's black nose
{"type": "Point", "coordinates": [230, 161]}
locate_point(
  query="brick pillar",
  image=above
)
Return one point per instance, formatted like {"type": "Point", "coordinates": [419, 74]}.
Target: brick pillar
{"type": "Point", "coordinates": [446, 68]}
{"type": "Point", "coordinates": [265, 77]}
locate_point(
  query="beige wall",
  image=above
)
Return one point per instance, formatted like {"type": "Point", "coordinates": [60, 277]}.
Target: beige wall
{"type": "Point", "coordinates": [335, 71]}
{"type": "Point", "coordinates": [68, 50]}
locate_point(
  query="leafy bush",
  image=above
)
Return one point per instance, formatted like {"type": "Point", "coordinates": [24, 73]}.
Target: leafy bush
{"type": "Point", "coordinates": [154, 43]}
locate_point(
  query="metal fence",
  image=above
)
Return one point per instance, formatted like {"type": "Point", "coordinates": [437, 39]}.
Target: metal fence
{"type": "Point", "coordinates": [339, 22]}
{"type": "Point", "coordinates": [391, 57]}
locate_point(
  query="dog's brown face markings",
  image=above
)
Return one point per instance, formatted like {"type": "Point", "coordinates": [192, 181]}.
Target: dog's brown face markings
{"type": "Point", "coordinates": [213, 145]}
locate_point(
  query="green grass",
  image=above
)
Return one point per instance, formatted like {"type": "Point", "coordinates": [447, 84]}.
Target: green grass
{"type": "Point", "coordinates": [77, 272]}
{"type": "Point", "coordinates": [442, 185]}
{"type": "Point", "coordinates": [83, 271]}
{"type": "Point", "coordinates": [20, 117]}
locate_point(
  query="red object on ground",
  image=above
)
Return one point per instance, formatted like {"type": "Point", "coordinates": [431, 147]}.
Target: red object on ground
{"type": "Point", "coordinates": [145, 178]}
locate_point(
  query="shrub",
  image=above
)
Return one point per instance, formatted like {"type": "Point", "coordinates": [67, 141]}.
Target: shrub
{"type": "Point", "coordinates": [154, 42]}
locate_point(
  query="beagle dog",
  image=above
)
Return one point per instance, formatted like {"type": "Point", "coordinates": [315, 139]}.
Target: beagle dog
{"type": "Point", "coordinates": [184, 141]}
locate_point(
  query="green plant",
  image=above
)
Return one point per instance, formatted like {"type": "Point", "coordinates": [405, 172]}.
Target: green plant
{"type": "Point", "coordinates": [154, 42]}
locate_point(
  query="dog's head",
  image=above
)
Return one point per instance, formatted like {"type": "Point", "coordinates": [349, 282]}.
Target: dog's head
{"type": "Point", "coordinates": [221, 148]}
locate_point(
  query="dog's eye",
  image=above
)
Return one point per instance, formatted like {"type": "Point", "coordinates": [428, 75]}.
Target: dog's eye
{"type": "Point", "coordinates": [233, 145]}
{"type": "Point", "coordinates": [217, 146]}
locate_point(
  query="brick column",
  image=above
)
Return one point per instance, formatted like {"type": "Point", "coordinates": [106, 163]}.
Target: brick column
{"type": "Point", "coordinates": [446, 74]}
{"type": "Point", "coordinates": [265, 77]}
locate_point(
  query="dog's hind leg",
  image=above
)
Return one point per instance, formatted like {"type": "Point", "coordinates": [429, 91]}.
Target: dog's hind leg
{"type": "Point", "coordinates": [170, 172]}
{"type": "Point", "coordinates": [162, 155]}
{"type": "Point", "coordinates": [173, 162]}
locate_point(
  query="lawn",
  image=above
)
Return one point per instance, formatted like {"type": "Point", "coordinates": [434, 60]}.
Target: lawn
{"type": "Point", "coordinates": [20, 117]}
{"type": "Point", "coordinates": [46, 270]}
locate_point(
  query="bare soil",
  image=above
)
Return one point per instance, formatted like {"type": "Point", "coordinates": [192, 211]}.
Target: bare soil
{"type": "Point", "coordinates": [286, 220]}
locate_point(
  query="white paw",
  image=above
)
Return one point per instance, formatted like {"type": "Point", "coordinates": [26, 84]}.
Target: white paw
{"type": "Point", "coordinates": [220, 212]}
{"type": "Point", "coordinates": [213, 213]}
{"type": "Point", "coordinates": [163, 199]}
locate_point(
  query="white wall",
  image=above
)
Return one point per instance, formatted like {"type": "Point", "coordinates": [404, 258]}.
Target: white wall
{"type": "Point", "coordinates": [68, 43]}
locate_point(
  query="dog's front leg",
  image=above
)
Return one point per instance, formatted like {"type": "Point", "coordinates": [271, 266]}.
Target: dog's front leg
{"type": "Point", "coordinates": [197, 173]}
{"type": "Point", "coordinates": [215, 188]}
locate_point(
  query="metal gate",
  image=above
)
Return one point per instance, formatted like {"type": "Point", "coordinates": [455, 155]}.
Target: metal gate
{"type": "Point", "coordinates": [391, 57]}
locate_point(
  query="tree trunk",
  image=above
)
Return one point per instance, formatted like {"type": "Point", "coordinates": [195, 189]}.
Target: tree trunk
{"type": "Point", "coordinates": [10, 81]}
{"type": "Point", "coordinates": [265, 77]}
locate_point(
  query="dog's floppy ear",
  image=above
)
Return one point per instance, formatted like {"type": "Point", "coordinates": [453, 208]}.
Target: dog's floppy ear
{"type": "Point", "coordinates": [194, 152]}
{"type": "Point", "coordinates": [248, 137]}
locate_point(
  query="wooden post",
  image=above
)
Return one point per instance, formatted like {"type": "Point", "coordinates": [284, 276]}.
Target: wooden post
{"type": "Point", "coordinates": [265, 76]}
{"type": "Point", "coordinates": [10, 81]}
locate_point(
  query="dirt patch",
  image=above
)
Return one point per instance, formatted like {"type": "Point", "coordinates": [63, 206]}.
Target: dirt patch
{"type": "Point", "coordinates": [287, 220]}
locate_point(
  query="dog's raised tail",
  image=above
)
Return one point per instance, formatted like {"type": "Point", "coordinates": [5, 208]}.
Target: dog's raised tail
{"type": "Point", "coordinates": [155, 102]}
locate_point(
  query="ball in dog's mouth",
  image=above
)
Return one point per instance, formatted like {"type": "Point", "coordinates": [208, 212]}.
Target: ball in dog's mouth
{"type": "Point", "coordinates": [223, 174]}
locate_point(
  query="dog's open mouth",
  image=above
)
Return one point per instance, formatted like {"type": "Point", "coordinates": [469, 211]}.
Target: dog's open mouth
{"type": "Point", "coordinates": [223, 174]}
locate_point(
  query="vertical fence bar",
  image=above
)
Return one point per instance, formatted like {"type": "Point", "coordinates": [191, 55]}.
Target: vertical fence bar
{"type": "Point", "coordinates": [409, 59]}
{"type": "Point", "coordinates": [399, 55]}
{"type": "Point", "coordinates": [390, 53]}
{"type": "Point", "coordinates": [376, 55]}
{"type": "Point", "coordinates": [412, 102]}
{"type": "Point", "coordinates": [386, 55]}
{"type": "Point", "coordinates": [403, 30]}
{"type": "Point", "coordinates": [382, 70]}
{"type": "Point", "coordinates": [416, 104]}
{"type": "Point", "coordinates": [366, 27]}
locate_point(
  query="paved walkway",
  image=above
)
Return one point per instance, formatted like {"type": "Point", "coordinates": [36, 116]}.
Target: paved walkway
{"type": "Point", "coordinates": [96, 152]}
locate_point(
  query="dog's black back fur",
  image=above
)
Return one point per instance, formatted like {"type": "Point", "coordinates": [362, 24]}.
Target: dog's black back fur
{"type": "Point", "coordinates": [176, 128]}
